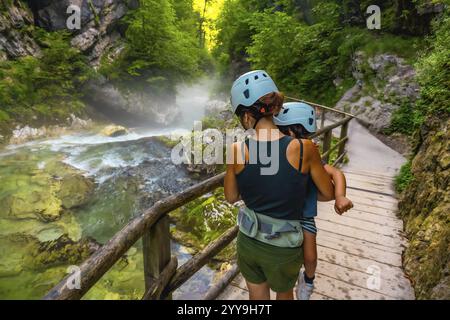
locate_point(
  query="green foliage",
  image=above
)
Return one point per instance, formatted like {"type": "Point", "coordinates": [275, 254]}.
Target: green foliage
{"type": "Point", "coordinates": [404, 178]}
{"type": "Point", "coordinates": [405, 120]}
{"type": "Point", "coordinates": [206, 218]}
{"type": "Point", "coordinates": [434, 79]}
{"type": "Point", "coordinates": [301, 58]}
{"type": "Point", "coordinates": [162, 46]}
{"type": "Point", "coordinates": [305, 45]}
{"type": "Point", "coordinates": [434, 71]}
{"type": "Point", "coordinates": [44, 88]}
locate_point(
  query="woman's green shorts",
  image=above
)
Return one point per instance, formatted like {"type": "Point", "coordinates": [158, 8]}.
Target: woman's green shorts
{"type": "Point", "coordinates": [260, 262]}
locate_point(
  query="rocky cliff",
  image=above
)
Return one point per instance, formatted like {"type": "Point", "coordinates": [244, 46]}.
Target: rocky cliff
{"type": "Point", "coordinates": [384, 83]}
{"type": "Point", "coordinates": [425, 208]}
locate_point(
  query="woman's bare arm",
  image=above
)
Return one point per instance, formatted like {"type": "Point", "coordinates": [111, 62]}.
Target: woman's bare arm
{"type": "Point", "coordinates": [340, 184]}
{"type": "Point", "coordinates": [320, 177]}
{"type": "Point", "coordinates": [230, 183]}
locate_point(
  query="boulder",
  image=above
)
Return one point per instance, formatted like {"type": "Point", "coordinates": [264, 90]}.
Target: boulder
{"type": "Point", "coordinates": [375, 101]}
{"type": "Point", "coordinates": [33, 203]}
{"type": "Point", "coordinates": [86, 40]}
{"type": "Point", "coordinates": [74, 191]}
{"type": "Point", "coordinates": [114, 131]}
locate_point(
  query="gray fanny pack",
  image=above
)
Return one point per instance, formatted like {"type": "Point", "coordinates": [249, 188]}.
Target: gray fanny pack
{"type": "Point", "coordinates": [276, 232]}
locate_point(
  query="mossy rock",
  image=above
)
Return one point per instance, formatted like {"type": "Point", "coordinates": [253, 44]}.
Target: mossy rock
{"type": "Point", "coordinates": [62, 251]}
{"type": "Point", "coordinates": [34, 203]}
{"type": "Point", "coordinates": [41, 190]}
{"type": "Point", "coordinates": [75, 191]}
{"type": "Point", "coordinates": [114, 131]}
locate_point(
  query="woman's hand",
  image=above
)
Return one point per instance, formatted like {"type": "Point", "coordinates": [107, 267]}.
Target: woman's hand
{"type": "Point", "coordinates": [342, 204]}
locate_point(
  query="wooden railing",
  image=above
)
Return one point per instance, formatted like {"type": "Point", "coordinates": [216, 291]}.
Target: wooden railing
{"type": "Point", "coordinates": [161, 274]}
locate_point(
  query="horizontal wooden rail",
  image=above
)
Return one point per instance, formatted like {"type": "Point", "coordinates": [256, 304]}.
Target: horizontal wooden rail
{"type": "Point", "coordinates": [337, 145]}
{"type": "Point", "coordinates": [321, 106]}
{"type": "Point", "coordinates": [104, 258]}
{"type": "Point", "coordinates": [224, 281]}
{"type": "Point", "coordinates": [340, 159]}
{"type": "Point", "coordinates": [157, 287]}
{"type": "Point", "coordinates": [331, 127]}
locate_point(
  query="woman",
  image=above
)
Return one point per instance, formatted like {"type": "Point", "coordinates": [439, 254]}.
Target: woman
{"type": "Point", "coordinates": [298, 120]}
{"type": "Point", "coordinates": [270, 236]}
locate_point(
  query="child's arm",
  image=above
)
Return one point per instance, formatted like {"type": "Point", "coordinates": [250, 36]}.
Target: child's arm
{"type": "Point", "coordinates": [342, 203]}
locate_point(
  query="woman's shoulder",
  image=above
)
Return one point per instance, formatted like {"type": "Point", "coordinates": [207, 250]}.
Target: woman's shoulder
{"type": "Point", "coordinates": [297, 143]}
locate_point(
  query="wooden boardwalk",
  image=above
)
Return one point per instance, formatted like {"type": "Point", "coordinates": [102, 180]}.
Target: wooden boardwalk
{"type": "Point", "coordinates": [359, 253]}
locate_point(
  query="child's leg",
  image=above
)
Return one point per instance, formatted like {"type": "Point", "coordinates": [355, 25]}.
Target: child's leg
{"type": "Point", "coordinates": [310, 253]}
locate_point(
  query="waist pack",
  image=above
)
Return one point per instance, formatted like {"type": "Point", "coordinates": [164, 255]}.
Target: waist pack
{"type": "Point", "coordinates": [276, 232]}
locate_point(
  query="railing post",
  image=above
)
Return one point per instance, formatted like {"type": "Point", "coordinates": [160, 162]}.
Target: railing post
{"type": "Point", "coordinates": [327, 144]}
{"type": "Point", "coordinates": [322, 121]}
{"type": "Point", "coordinates": [156, 250]}
{"type": "Point", "coordinates": [344, 133]}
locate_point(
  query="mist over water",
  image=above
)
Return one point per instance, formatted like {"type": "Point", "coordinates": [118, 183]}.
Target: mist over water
{"type": "Point", "coordinates": [192, 100]}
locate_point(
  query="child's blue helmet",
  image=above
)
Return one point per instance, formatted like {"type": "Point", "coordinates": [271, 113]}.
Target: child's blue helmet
{"type": "Point", "coordinates": [250, 87]}
{"type": "Point", "coordinates": [297, 113]}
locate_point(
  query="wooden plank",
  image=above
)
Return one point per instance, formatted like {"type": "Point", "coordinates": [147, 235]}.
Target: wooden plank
{"type": "Point", "coordinates": [360, 216]}
{"type": "Point", "coordinates": [392, 289]}
{"type": "Point", "coordinates": [380, 181]}
{"type": "Point", "coordinates": [359, 177]}
{"type": "Point", "coordinates": [389, 273]}
{"type": "Point", "coordinates": [327, 215]}
{"type": "Point", "coordinates": [348, 238]}
{"type": "Point", "coordinates": [356, 214]}
{"type": "Point", "coordinates": [392, 242]}
{"type": "Point", "coordinates": [372, 174]}
{"type": "Point", "coordinates": [341, 290]}
{"type": "Point", "coordinates": [382, 216]}
{"type": "Point", "coordinates": [318, 296]}
{"type": "Point", "coordinates": [348, 246]}
{"type": "Point", "coordinates": [360, 203]}
{"type": "Point", "coordinates": [375, 206]}
{"type": "Point", "coordinates": [374, 187]}
{"type": "Point", "coordinates": [371, 195]}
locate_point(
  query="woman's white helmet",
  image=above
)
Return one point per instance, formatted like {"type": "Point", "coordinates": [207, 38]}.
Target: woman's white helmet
{"type": "Point", "coordinates": [297, 113]}
{"type": "Point", "coordinates": [250, 87]}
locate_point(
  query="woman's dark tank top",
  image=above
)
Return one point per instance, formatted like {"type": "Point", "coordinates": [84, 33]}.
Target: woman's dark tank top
{"type": "Point", "coordinates": [280, 195]}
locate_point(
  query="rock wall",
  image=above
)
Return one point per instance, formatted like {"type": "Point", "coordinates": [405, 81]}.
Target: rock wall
{"type": "Point", "coordinates": [99, 33]}
{"type": "Point", "coordinates": [425, 208]}
{"type": "Point", "coordinates": [383, 83]}
{"type": "Point", "coordinates": [15, 40]}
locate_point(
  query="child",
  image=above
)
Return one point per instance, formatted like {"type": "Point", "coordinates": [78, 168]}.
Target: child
{"type": "Point", "coordinates": [299, 121]}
